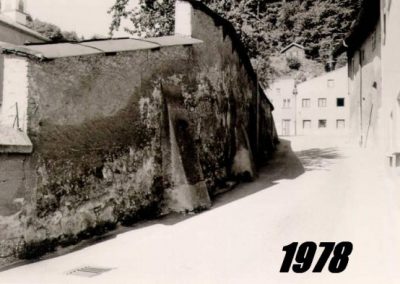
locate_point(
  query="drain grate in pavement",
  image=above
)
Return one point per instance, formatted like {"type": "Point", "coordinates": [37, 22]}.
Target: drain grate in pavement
{"type": "Point", "coordinates": [88, 271]}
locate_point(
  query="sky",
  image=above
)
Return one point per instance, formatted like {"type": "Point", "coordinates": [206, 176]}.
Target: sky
{"type": "Point", "coordinates": [85, 17]}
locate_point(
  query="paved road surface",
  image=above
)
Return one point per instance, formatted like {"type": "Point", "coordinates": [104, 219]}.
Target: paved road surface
{"type": "Point", "coordinates": [328, 191]}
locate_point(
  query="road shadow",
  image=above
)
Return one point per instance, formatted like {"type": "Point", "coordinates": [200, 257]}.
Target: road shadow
{"type": "Point", "coordinates": [284, 165]}
{"type": "Point", "coordinates": [318, 159]}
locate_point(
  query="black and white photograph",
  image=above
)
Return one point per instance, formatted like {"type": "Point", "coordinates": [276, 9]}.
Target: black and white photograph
{"type": "Point", "coordinates": [199, 142]}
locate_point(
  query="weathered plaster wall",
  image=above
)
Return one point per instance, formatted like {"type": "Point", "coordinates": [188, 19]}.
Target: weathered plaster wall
{"type": "Point", "coordinates": [16, 180]}
{"type": "Point", "coordinates": [14, 171]}
{"type": "Point", "coordinates": [319, 88]}
{"type": "Point", "coordinates": [15, 36]}
{"type": "Point", "coordinates": [279, 92]}
{"type": "Point", "coordinates": [365, 88]}
{"type": "Point", "coordinates": [139, 134]}
{"type": "Point", "coordinates": [15, 93]}
{"type": "Point", "coordinates": [391, 77]}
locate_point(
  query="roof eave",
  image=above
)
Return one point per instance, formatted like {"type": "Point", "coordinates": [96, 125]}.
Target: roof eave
{"type": "Point", "coordinates": [363, 26]}
{"type": "Point", "coordinates": [25, 30]}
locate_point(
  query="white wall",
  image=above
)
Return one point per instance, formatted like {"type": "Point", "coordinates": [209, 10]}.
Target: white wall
{"type": "Point", "coordinates": [281, 112]}
{"type": "Point", "coordinates": [15, 91]}
{"type": "Point", "coordinates": [391, 75]}
{"type": "Point", "coordinates": [318, 88]}
{"type": "Point", "coordinates": [183, 18]}
{"type": "Point", "coordinates": [11, 9]}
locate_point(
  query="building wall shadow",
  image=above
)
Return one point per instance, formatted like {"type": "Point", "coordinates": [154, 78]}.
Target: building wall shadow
{"type": "Point", "coordinates": [283, 165]}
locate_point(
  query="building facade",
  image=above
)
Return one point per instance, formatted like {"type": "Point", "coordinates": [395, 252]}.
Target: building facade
{"type": "Point", "coordinates": [390, 13]}
{"type": "Point", "coordinates": [280, 93]}
{"type": "Point", "coordinates": [365, 76]}
{"type": "Point", "coordinates": [374, 74]}
{"type": "Point", "coordinates": [322, 105]}
{"type": "Point", "coordinates": [294, 50]}
{"type": "Point", "coordinates": [319, 106]}
{"type": "Point", "coordinates": [13, 20]}
{"type": "Point", "coordinates": [13, 31]}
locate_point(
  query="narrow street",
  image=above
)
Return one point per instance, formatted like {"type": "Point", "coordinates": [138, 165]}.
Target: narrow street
{"type": "Point", "coordinates": [324, 191]}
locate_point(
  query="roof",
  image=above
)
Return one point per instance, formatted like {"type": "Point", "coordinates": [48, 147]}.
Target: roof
{"type": "Point", "coordinates": [12, 24]}
{"type": "Point", "coordinates": [367, 19]}
{"type": "Point", "coordinates": [290, 46]}
{"type": "Point", "coordinates": [105, 46]}
{"type": "Point", "coordinates": [329, 75]}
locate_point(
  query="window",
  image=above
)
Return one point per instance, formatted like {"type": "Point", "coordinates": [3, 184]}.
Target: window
{"type": "Point", "coordinates": [286, 127]}
{"type": "Point", "coordinates": [21, 7]}
{"type": "Point", "coordinates": [286, 103]}
{"type": "Point", "coordinates": [322, 102]}
{"type": "Point", "coordinates": [306, 124]}
{"type": "Point", "coordinates": [352, 68]}
{"type": "Point", "coordinates": [306, 103]}
{"type": "Point", "coordinates": [278, 91]}
{"type": "Point", "coordinates": [340, 124]}
{"type": "Point", "coordinates": [363, 55]}
{"type": "Point", "coordinates": [331, 83]}
{"type": "Point", "coordinates": [384, 28]}
{"type": "Point", "coordinates": [373, 40]}
{"type": "Point", "coordinates": [340, 102]}
{"type": "Point", "coordinates": [322, 123]}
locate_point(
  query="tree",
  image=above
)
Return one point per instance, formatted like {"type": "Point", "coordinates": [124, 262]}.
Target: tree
{"type": "Point", "coordinates": [155, 18]}
{"type": "Point", "coordinates": [52, 32]}
{"type": "Point", "coordinates": [265, 26]}
{"type": "Point", "coordinates": [293, 63]}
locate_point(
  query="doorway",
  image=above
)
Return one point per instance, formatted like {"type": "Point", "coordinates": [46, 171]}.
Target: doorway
{"type": "Point", "coordinates": [286, 127]}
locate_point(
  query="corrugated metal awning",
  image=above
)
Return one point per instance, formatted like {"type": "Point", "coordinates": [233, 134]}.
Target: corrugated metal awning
{"type": "Point", "coordinates": [58, 50]}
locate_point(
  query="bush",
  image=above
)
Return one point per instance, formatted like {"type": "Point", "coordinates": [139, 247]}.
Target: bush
{"type": "Point", "coordinates": [293, 63]}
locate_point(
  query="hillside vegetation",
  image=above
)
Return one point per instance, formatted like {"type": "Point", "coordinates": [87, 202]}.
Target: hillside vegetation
{"type": "Point", "coordinates": [265, 26]}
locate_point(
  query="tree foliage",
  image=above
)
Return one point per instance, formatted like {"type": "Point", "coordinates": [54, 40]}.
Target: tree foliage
{"type": "Point", "coordinates": [51, 31]}
{"type": "Point", "coordinates": [264, 26]}
{"type": "Point", "coordinates": [293, 63]}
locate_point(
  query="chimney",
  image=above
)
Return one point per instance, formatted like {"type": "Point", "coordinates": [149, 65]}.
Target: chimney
{"type": "Point", "coordinates": [15, 10]}
{"type": "Point", "coordinates": [183, 18]}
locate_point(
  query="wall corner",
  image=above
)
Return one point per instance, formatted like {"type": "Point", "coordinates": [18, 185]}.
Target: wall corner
{"type": "Point", "coordinates": [183, 18]}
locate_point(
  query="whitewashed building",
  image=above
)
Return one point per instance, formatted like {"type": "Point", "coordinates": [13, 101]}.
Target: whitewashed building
{"type": "Point", "coordinates": [372, 47]}
{"type": "Point", "coordinates": [280, 93]}
{"type": "Point", "coordinates": [318, 106]}
{"type": "Point", "coordinates": [322, 105]}
{"type": "Point", "coordinates": [294, 50]}
{"type": "Point", "coordinates": [13, 30]}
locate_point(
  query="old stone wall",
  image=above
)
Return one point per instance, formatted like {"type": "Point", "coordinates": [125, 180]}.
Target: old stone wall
{"type": "Point", "coordinates": [139, 134]}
